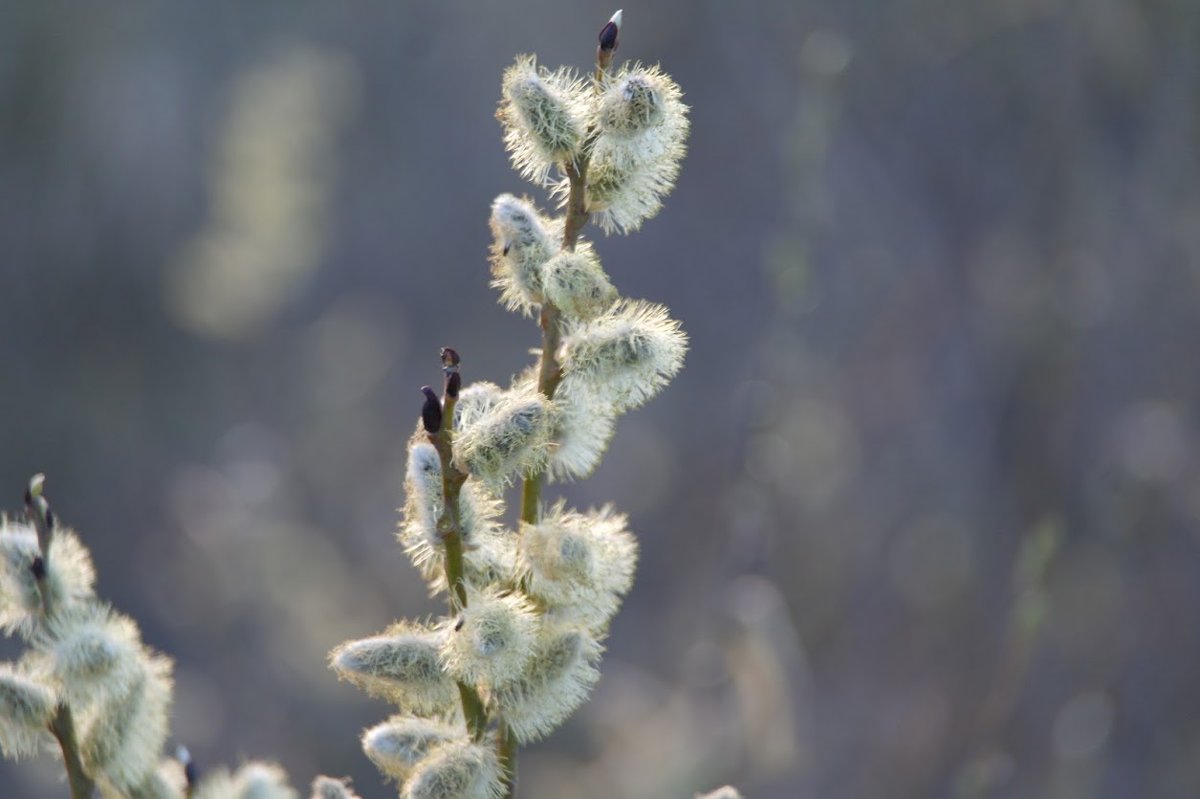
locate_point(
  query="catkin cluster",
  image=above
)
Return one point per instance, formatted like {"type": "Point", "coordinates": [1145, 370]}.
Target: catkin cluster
{"type": "Point", "coordinates": [530, 604]}
{"type": "Point", "coordinates": [88, 686]}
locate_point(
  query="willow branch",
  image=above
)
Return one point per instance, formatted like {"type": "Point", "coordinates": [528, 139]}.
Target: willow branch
{"type": "Point", "coordinates": [450, 530]}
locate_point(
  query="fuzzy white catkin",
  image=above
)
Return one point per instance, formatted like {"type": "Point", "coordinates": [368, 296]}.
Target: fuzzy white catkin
{"type": "Point", "coordinates": [423, 490]}
{"type": "Point", "coordinates": [492, 641]}
{"type": "Point", "coordinates": [26, 707]}
{"type": "Point", "coordinates": [576, 284]}
{"type": "Point", "coordinates": [488, 547]}
{"type": "Point", "coordinates": [94, 653]}
{"type": "Point", "coordinates": [522, 242]}
{"type": "Point", "coordinates": [69, 576]}
{"type": "Point", "coordinates": [397, 745]}
{"type": "Point", "coordinates": [511, 440]}
{"type": "Point", "coordinates": [624, 357]}
{"type": "Point", "coordinates": [121, 737]}
{"type": "Point", "coordinates": [329, 788]}
{"type": "Point", "coordinates": [254, 780]}
{"type": "Point", "coordinates": [584, 429]}
{"type": "Point", "coordinates": [579, 565]}
{"type": "Point", "coordinates": [724, 792]}
{"type": "Point", "coordinates": [403, 665]}
{"type": "Point", "coordinates": [168, 781]}
{"type": "Point", "coordinates": [474, 401]}
{"type": "Point", "coordinates": [544, 117]}
{"type": "Point", "coordinates": [634, 160]}
{"type": "Point", "coordinates": [559, 678]}
{"type": "Point", "coordinates": [457, 770]}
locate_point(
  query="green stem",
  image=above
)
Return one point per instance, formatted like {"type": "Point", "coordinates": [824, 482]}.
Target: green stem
{"type": "Point", "coordinates": [451, 532]}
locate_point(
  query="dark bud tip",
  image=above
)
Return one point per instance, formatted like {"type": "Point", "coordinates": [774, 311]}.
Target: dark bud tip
{"type": "Point", "coordinates": [431, 411]}
{"type": "Point", "coordinates": [608, 34]}
{"type": "Point", "coordinates": [450, 358]}
{"type": "Point", "coordinates": [38, 567]}
{"type": "Point", "coordinates": [453, 384]}
{"type": "Point", "coordinates": [458, 625]}
{"type": "Point", "coordinates": [50, 519]}
{"type": "Point", "coordinates": [189, 773]}
{"type": "Point", "coordinates": [28, 497]}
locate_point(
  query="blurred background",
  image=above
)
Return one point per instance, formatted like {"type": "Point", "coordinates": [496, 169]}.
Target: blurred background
{"type": "Point", "coordinates": [918, 519]}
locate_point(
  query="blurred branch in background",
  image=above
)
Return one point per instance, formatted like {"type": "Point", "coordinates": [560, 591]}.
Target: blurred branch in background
{"type": "Point", "coordinates": [269, 192]}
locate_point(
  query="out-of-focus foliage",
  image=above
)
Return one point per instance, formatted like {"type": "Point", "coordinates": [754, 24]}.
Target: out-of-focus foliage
{"type": "Point", "coordinates": [918, 519]}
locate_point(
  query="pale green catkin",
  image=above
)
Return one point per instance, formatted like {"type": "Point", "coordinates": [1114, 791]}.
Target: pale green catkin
{"type": "Point", "coordinates": [511, 440]}
{"type": "Point", "coordinates": [329, 788]}
{"type": "Point", "coordinates": [560, 675]}
{"type": "Point", "coordinates": [578, 565]}
{"type": "Point", "coordinates": [26, 707]}
{"type": "Point", "coordinates": [456, 770]}
{"type": "Point", "coordinates": [624, 357]}
{"type": "Point", "coordinates": [492, 639]}
{"type": "Point", "coordinates": [522, 242]}
{"type": "Point", "coordinates": [403, 665]}
{"type": "Point", "coordinates": [400, 743]}
{"type": "Point", "coordinates": [69, 577]}
{"type": "Point", "coordinates": [544, 117]}
{"type": "Point", "coordinates": [576, 284]}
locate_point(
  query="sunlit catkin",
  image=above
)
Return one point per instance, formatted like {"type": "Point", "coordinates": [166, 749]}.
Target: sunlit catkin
{"type": "Point", "coordinates": [122, 736]}
{"type": "Point", "coordinates": [456, 770]}
{"type": "Point", "coordinates": [511, 440]}
{"type": "Point", "coordinates": [400, 743]}
{"type": "Point", "coordinates": [403, 666]}
{"type": "Point", "coordinates": [94, 653]}
{"type": "Point", "coordinates": [559, 678]}
{"type": "Point", "coordinates": [544, 117]}
{"type": "Point", "coordinates": [68, 581]}
{"type": "Point", "coordinates": [492, 640]}
{"type": "Point", "coordinates": [576, 284]}
{"type": "Point", "coordinates": [522, 242]}
{"type": "Point", "coordinates": [254, 780]}
{"type": "Point", "coordinates": [329, 788]}
{"type": "Point", "coordinates": [626, 356]}
{"type": "Point", "coordinates": [26, 706]}
{"type": "Point", "coordinates": [579, 565]}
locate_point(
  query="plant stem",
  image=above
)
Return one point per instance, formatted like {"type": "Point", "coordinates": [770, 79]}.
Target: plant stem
{"type": "Point", "coordinates": [451, 533]}
{"type": "Point", "coordinates": [575, 218]}
{"type": "Point", "coordinates": [62, 726]}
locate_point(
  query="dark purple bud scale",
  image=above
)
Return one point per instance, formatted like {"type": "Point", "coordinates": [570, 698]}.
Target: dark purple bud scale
{"type": "Point", "coordinates": [608, 37]}
{"type": "Point", "coordinates": [38, 567]}
{"type": "Point", "coordinates": [431, 411]}
{"type": "Point", "coordinates": [453, 384]}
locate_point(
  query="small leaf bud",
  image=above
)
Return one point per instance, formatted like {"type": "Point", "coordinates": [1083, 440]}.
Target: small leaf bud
{"type": "Point", "coordinates": [453, 385]}
{"type": "Point", "coordinates": [431, 411]}
{"type": "Point", "coordinates": [608, 34]}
